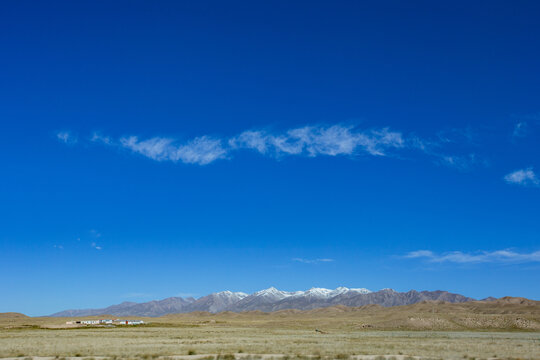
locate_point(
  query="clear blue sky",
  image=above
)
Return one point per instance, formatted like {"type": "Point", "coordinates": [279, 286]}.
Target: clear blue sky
{"type": "Point", "coordinates": [151, 148]}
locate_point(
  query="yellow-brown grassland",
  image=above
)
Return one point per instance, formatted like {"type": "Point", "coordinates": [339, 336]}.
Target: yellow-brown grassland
{"type": "Point", "coordinates": [506, 328]}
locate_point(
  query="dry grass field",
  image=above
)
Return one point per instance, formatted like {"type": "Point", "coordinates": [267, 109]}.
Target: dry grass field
{"type": "Point", "coordinates": [507, 328]}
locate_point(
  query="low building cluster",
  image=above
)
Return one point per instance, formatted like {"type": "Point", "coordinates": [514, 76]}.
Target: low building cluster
{"type": "Point", "coordinates": [105, 322]}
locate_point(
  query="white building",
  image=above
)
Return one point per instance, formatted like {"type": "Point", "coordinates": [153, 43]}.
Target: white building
{"type": "Point", "coordinates": [129, 322]}
{"type": "Point", "coordinates": [105, 321]}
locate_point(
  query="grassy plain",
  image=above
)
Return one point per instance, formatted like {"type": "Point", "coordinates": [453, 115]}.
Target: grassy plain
{"type": "Point", "coordinates": [503, 329]}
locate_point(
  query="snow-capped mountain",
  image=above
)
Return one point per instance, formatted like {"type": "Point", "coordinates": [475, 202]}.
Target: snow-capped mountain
{"type": "Point", "coordinates": [323, 293]}
{"type": "Point", "coordinates": [274, 294]}
{"type": "Point", "coordinates": [270, 299]}
{"type": "Point", "coordinates": [215, 302]}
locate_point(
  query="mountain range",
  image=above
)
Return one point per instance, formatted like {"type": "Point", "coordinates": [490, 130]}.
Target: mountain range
{"type": "Point", "coordinates": [268, 300]}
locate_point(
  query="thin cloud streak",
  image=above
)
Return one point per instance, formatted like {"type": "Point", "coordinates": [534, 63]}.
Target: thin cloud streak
{"type": "Point", "coordinates": [308, 141]}
{"type": "Point", "coordinates": [66, 137]}
{"type": "Point", "coordinates": [462, 163]}
{"type": "Point", "coordinates": [99, 138]}
{"type": "Point", "coordinates": [498, 256]}
{"type": "Point", "coordinates": [312, 261]}
{"type": "Point", "coordinates": [201, 150]}
{"type": "Point", "coordinates": [520, 129]}
{"type": "Point", "coordinates": [316, 140]}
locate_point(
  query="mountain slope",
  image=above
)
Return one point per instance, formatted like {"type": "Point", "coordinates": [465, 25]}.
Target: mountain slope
{"type": "Point", "coordinates": [152, 308]}
{"type": "Point", "coordinates": [271, 299]}
{"type": "Point", "coordinates": [216, 302]}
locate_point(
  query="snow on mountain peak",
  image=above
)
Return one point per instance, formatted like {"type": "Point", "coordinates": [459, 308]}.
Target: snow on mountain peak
{"type": "Point", "coordinates": [269, 291]}
{"type": "Point", "coordinates": [314, 292]}
{"type": "Point", "coordinates": [227, 293]}
{"type": "Point", "coordinates": [317, 292]}
{"type": "Point", "coordinates": [340, 290]}
{"type": "Point", "coordinates": [361, 290]}
{"type": "Point", "coordinates": [272, 292]}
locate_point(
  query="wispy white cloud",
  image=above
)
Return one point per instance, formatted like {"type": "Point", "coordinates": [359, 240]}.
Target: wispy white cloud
{"type": "Point", "coordinates": [310, 141]}
{"type": "Point", "coordinates": [95, 233]}
{"type": "Point", "coordinates": [99, 138]}
{"type": "Point", "coordinates": [60, 247]}
{"type": "Point", "coordinates": [525, 125]}
{"type": "Point", "coordinates": [463, 143]}
{"type": "Point", "coordinates": [457, 136]}
{"type": "Point", "coordinates": [96, 246]}
{"type": "Point", "coordinates": [498, 256]}
{"type": "Point", "coordinates": [524, 177]}
{"type": "Point", "coordinates": [312, 261]}
{"type": "Point", "coordinates": [67, 137]}
{"type": "Point", "coordinates": [520, 129]}
{"type": "Point", "coordinates": [201, 150]}
{"type": "Point", "coordinates": [463, 162]}
{"type": "Point", "coordinates": [319, 140]}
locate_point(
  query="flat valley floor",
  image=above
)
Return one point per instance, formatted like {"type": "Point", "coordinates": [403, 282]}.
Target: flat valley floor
{"type": "Point", "coordinates": [431, 331]}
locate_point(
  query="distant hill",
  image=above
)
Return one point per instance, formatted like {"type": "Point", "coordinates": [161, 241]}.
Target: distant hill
{"type": "Point", "coordinates": [12, 315]}
{"type": "Point", "coordinates": [500, 314]}
{"type": "Point", "coordinates": [152, 308]}
{"type": "Point", "coordinates": [269, 300]}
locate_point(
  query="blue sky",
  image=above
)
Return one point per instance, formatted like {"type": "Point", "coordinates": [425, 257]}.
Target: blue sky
{"type": "Point", "coordinates": [154, 149]}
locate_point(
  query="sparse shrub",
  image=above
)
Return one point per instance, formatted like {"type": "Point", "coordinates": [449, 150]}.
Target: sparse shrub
{"type": "Point", "coordinates": [192, 352]}
{"type": "Point", "coordinates": [342, 356]}
{"type": "Point", "coordinates": [226, 357]}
